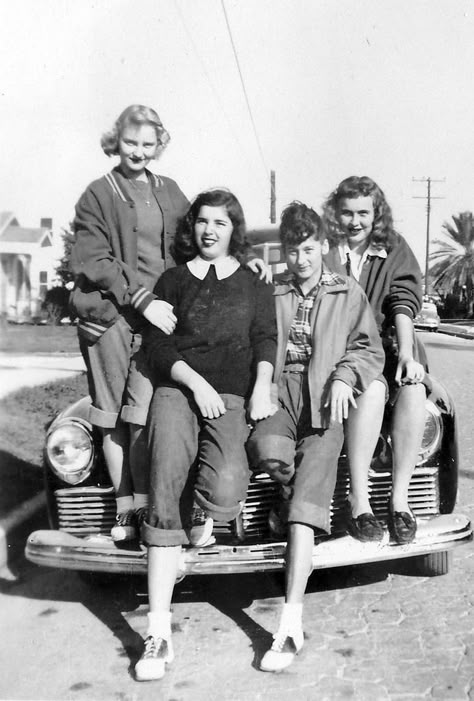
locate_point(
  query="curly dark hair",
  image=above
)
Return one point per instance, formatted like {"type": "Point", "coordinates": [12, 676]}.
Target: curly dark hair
{"type": "Point", "coordinates": [383, 232]}
{"type": "Point", "coordinates": [134, 115]}
{"type": "Point", "coordinates": [185, 248]}
{"type": "Point", "coordinates": [298, 223]}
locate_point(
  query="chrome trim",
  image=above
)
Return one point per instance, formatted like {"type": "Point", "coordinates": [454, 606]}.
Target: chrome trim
{"type": "Point", "coordinates": [100, 554]}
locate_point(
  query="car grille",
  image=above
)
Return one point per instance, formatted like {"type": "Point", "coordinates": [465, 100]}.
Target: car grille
{"type": "Point", "coordinates": [91, 510]}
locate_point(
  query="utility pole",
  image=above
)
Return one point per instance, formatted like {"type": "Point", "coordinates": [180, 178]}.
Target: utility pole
{"type": "Point", "coordinates": [272, 197]}
{"type": "Point", "coordinates": [428, 197]}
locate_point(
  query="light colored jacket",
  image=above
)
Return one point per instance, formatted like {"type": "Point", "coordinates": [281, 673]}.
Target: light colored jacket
{"type": "Point", "coordinates": [345, 340]}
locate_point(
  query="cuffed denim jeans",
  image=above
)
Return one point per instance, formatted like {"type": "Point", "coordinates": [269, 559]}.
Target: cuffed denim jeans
{"type": "Point", "coordinates": [287, 437]}
{"type": "Point", "coordinates": [193, 459]}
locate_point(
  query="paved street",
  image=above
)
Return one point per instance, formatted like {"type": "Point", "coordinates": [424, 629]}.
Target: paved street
{"type": "Point", "coordinates": [372, 634]}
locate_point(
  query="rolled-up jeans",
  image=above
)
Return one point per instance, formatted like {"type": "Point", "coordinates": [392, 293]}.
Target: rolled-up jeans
{"type": "Point", "coordinates": [288, 437]}
{"type": "Point", "coordinates": [193, 459]}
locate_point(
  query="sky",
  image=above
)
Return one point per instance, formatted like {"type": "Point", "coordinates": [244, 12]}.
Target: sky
{"type": "Point", "coordinates": [330, 89]}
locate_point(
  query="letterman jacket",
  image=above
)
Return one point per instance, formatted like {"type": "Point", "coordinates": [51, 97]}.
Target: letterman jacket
{"type": "Point", "coordinates": [104, 255]}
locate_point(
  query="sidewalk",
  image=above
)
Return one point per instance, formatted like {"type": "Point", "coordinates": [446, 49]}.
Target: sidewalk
{"type": "Point", "coordinates": [19, 370]}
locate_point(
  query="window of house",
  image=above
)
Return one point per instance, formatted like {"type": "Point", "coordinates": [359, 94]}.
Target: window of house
{"type": "Point", "coordinates": [43, 286]}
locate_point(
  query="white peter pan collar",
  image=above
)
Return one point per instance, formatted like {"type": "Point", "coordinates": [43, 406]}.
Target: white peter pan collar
{"type": "Point", "coordinates": [225, 267]}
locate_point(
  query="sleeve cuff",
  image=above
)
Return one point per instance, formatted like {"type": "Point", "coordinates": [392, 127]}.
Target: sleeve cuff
{"type": "Point", "coordinates": [141, 299]}
{"type": "Point", "coordinates": [403, 309]}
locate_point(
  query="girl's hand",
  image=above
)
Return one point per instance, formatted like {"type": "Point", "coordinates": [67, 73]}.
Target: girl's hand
{"type": "Point", "coordinates": [260, 268]}
{"type": "Point", "coordinates": [160, 314]}
{"type": "Point", "coordinates": [339, 398]}
{"type": "Point", "coordinates": [209, 401]}
{"type": "Point", "coordinates": [261, 406]}
{"type": "Point", "coordinates": [409, 371]}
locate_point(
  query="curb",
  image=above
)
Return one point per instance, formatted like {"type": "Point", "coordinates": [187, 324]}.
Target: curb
{"type": "Point", "coordinates": [16, 518]}
{"type": "Point", "coordinates": [454, 332]}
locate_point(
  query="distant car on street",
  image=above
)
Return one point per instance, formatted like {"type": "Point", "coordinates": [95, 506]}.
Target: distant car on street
{"type": "Point", "coordinates": [428, 318]}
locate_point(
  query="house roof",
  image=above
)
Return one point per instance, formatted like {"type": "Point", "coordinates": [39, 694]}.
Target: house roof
{"type": "Point", "coordinates": [20, 234]}
{"type": "Point", "coordinates": [7, 218]}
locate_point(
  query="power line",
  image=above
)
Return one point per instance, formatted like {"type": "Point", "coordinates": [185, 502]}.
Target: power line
{"type": "Point", "coordinates": [210, 82]}
{"type": "Point", "coordinates": [428, 197]}
{"type": "Point", "coordinates": [244, 90]}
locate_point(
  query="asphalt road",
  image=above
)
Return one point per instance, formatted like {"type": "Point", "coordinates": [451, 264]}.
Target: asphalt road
{"type": "Point", "coordinates": [372, 634]}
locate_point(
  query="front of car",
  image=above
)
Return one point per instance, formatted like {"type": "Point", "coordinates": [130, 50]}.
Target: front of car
{"type": "Point", "coordinates": [81, 507]}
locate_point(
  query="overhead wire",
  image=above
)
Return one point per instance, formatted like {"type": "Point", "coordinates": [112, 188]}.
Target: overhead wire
{"type": "Point", "coordinates": [211, 83]}
{"type": "Point", "coordinates": [244, 89]}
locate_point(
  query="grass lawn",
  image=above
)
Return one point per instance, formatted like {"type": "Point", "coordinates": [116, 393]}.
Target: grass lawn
{"type": "Point", "coordinates": [23, 417]}
{"type": "Point", "coordinates": [28, 338]}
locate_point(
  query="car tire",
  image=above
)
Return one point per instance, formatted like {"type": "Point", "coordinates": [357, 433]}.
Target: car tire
{"type": "Point", "coordinates": [433, 564]}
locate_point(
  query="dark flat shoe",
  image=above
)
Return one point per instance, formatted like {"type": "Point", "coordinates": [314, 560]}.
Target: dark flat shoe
{"type": "Point", "coordinates": [401, 525]}
{"type": "Point", "coordinates": [364, 527]}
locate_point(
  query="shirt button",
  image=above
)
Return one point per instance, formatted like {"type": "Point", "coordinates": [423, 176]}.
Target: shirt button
{"type": "Point", "coordinates": [135, 228]}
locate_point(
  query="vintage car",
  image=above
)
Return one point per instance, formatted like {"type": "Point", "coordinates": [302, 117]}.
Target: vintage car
{"type": "Point", "coordinates": [428, 318]}
{"type": "Point", "coordinates": [81, 503]}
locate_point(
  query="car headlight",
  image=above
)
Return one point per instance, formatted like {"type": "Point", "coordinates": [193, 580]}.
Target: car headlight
{"type": "Point", "coordinates": [433, 433]}
{"type": "Point", "coordinates": [70, 452]}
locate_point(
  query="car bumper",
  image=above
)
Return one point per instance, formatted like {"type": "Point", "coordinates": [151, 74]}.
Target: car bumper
{"type": "Point", "coordinates": [100, 554]}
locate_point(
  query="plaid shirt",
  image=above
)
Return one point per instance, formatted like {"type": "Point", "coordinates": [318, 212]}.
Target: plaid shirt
{"type": "Point", "coordinates": [299, 347]}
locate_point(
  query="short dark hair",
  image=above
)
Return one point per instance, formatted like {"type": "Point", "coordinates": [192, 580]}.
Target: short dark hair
{"type": "Point", "coordinates": [134, 115]}
{"type": "Point", "coordinates": [185, 248]}
{"type": "Point", "coordinates": [298, 223]}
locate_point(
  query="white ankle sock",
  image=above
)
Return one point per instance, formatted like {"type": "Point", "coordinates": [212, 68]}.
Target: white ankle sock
{"type": "Point", "coordinates": [291, 617]}
{"type": "Point", "coordinates": [124, 504]}
{"type": "Point", "coordinates": [140, 501]}
{"type": "Point", "coordinates": [159, 624]}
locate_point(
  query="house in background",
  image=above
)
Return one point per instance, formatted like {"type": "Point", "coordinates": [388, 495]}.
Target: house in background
{"type": "Point", "coordinates": [28, 258]}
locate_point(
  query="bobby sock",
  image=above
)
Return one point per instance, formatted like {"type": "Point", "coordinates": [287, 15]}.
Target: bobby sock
{"type": "Point", "coordinates": [291, 617]}
{"type": "Point", "coordinates": [159, 624]}
{"type": "Point", "coordinates": [140, 501]}
{"type": "Point", "coordinates": [124, 504]}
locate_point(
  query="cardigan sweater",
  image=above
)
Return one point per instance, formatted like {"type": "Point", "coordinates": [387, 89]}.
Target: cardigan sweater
{"type": "Point", "coordinates": [104, 257]}
{"type": "Point", "coordinates": [225, 327]}
{"type": "Point", "coordinates": [392, 284]}
{"type": "Point", "coordinates": [346, 343]}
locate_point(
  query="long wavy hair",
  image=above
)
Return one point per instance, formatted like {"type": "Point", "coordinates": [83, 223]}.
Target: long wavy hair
{"type": "Point", "coordinates": [185, 248]}
{"type": "Point", "coordinates": [298, 223]}
{"type": "Point", "coordinates": [134, 115]}
{"type": "Point", "coordinates": [383, 233]}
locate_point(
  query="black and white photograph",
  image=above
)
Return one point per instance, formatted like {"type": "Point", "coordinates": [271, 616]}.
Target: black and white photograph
{"type": "Point", "coordinates": [237, 350]}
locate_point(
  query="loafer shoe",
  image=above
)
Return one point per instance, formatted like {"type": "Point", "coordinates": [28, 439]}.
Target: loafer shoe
{"type": "Point", "coordinates": [401, 526]}
{"type": "Point", "coordinates": [365, 528]}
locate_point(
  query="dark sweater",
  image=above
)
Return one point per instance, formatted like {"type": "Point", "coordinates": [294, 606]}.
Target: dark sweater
{"type": "Point", "coordinates": [392, 284]}
{"type": "Point", "coordinates": [224, 328]}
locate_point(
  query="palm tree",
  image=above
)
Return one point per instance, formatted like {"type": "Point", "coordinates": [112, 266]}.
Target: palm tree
{"type": "Point", "coordinates": [453, 262]}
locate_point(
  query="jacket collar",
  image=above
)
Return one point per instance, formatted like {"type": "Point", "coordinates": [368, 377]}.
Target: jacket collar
{"type": "Point", "coordinates": [332, 282]}
{"type": "Point", "coordinates": [116, 181]}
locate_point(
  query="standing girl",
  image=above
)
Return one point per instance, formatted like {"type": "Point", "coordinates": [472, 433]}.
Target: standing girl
{"type": "Point", "coordinates": [219, 357]}
{"type": "Point", "coordinates": [125, 223]}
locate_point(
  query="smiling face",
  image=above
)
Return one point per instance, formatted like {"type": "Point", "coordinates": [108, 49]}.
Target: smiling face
{"type": "Point", "coordinates": [137, 146]}
{"type": "Point", "coordinates": [213, 232]}
{"type": "Point", "coordinates": [356, 218]}
{"type": "Point", "coordinates": [305, 260]}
